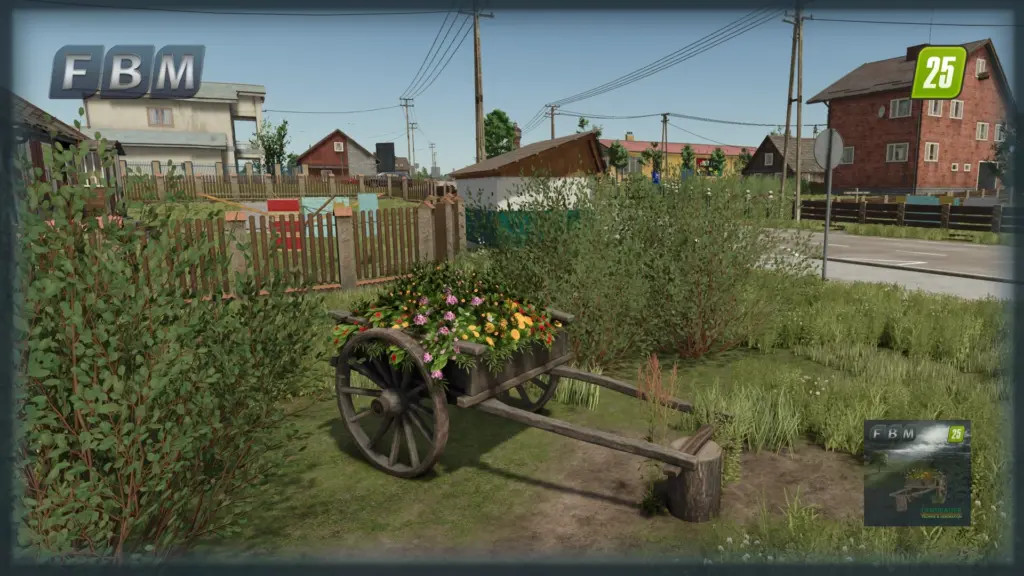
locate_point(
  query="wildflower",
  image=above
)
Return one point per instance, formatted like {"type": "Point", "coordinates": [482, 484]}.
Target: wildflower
{"type": "Point", "coordinates": [405, 324]}
{"type": "Point", "coordinates": [515, 334]}
{"type": "Point", "coordinates": [476, 301]}
{"type": "Point", "coordinates": [503, 323]}
{"type": "Point", "coordinates": [473, 328]}
{"type": "Point", "coordinates": [557, 324]}
{"type": "Point", "coordinates": [427, 357]}
{"type": "Point", "coordinates": [420, 320]}
{"type": "Point", "coordinates": [757, 542]}
{"type": "Point", "coordinates": [489, 328]}
{"type": "Point", "coordinates": [746, 557]}
{"type": "Point", "coordinates": [464, 336]}
{"type": "Point", "coordinates": [394, 358]}
{"type": "Point", "coordinates": [451, 300]}
{"type": "Point", "coordinates": [490, 341]}
{"type": "Point", "coordinates": [728, 540]}
{"type": "Point", "coordinates": [377, 315]}
{"type": "Point", "coordinates": [721, 548]}
{"type": "Point", "coordinates": [364, 328]}
{"type": "Point", "coordinates": [424, 301]}
{"type": "Point", "coordinates": [335, 341]}
{"type": "Point", "coordinates": [395, 326]}
{"type": "Point", "coordinates": [436, 375]}
{"type": "Point", "coordinates": [443, 330]}
{"type": "Point", "coordinates": [449, 316]}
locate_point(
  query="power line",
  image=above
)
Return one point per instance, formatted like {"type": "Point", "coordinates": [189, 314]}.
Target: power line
{"type": "Point", "coordinates": [658, 115]}
{"type": "Point", "coordinates": [896, 23]}
{"type": "Point", "coordinates": [451, 55]}
{"type": "Point", "coordinates": [698, 135]}
{"type": "Point", "coordinates": [329, 111]}
{"type": "Point", "coordinates": [231, 13]}
{"type": "Point", "coordinates": [423, 65]}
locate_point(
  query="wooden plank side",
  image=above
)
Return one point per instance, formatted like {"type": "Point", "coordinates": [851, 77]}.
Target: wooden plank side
{"type": "Point", "coordinates": [456, 231]}
{"type": "Point", "coordinates": [225, 265]}
{"type": "Point", "coordinates": [326, 253]}
{"type": "Point", "coordinates": [264, 243]}
{"type": "Point", "coordinates": [380, 243]}
{"type": "Point", "coordinates": [314, 255]}
{"type": "Point", "coordinates": [254, 251]}
{"type": "Point", "coordinates": [332, 250]}
{"type": "Point", "coordinates": [440, 234]}
{"type": "Point", "coordinates": [308, 245]}
{"type": "Point", "coordinates": [416, 233]}
{"type": "Point", "coordinates": [203, 270]}
{"type": "Point", "coordinates": [177, 246]}
{"type": "Point", "coordinates": [357, 247]}
{"type": "Point", "coordinates": [297, 247]}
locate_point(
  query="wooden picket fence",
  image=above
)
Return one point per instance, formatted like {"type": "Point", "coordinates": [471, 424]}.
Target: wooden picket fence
{"type": "Point", "coordinates": [303, 249]}
{"type": "Point", "coordinates": [385, 242]}
{"type": "Point", "coordinates": [998, 218]}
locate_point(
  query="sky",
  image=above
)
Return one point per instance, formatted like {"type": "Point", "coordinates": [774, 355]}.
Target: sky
{"type": "Point", "coordinates": [323, 64]}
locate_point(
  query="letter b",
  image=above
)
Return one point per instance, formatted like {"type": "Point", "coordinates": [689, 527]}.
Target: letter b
{"type": "Point", "coordinates": [128, 70]}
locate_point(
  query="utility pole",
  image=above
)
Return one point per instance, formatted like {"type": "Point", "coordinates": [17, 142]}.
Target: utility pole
{"type": "Point", "coordinates": [481, 153]}
{"type": "Point", "coordinates": [407, 103]}
{"type": "Point", "coordinates": [412, 145]}
{"type": "Point", "coordinates": [799, 102]}
{"type": "Point", "coordinates": [552, 114]}
{"type": "Point", "coordinates": [433, 155]}
{"type": "Point", "coordinates": [664, 145]}
{"type": "Point", "coordinates": [789, 109]}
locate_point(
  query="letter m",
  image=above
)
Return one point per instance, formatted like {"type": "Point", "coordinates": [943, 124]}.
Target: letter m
{"type": "Point", "coordinates": [179, 71]}
{"type": "Point", "coordinates": [908, 433]}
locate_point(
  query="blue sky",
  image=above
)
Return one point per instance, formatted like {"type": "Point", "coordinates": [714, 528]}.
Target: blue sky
{"type": "Point", "coordinates": [319, 63]}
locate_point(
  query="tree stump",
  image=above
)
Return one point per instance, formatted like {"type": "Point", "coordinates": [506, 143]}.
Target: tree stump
{"type": "Point", "coordinates": [696, 495]}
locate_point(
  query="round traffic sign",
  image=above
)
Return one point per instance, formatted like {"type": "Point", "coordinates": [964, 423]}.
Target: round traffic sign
{"type": "Point", "coordinates": [821, 148]}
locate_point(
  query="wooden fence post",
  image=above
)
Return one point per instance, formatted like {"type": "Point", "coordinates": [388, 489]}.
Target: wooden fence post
{"type": "Point", "coordinates": [362, 183]}
{"type": "Point", "coordinates": [300, 175]}
{"type": "Point", "coordinates": [234, 226]}
{"type": "Point", "coordinates": [460, 230]}
{"type": "Point", "coordinates": [346, 246]}
{"type": "Point", "coordinates": [332, 186]}
{"type": "Point", "coordinates": [862, 212]}
{"type": "Point", "coordinates": [390, 192]}
{"type": "Point", "coordinates": [997, 218]}
{"type": "Point", "coordinates": [190, 176]}
{"type": "Point", "coordinates": [405, 188]}
{"type": "Point", "coordinates": [268, 184]}
{"type": "Point", "coordinates": [248, 168]}
{"type": "Point", "coordinates": [233, 180]}
{"type": "Point", "coordinates": [945, 215]}
{"type": "Point", "coordinates": [901, 213]}
{"type": "Point", "coordinates": [425, 241]}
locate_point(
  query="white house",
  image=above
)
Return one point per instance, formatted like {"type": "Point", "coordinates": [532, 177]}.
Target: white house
{"type": "Point", "coordinates": [505, 181]}
{"type": "Point", "coordinates": [200, 129]}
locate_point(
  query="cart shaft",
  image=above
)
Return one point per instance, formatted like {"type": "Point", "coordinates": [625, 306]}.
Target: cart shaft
{"type": "Point", "coordinates": [590, 435]}
{"type": "Point", "coordinates": [616, 385]}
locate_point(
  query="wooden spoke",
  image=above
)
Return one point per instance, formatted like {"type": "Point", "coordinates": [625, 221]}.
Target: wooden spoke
{"type": "Point", "coordinates": [383, 369]}
{"type": "Point", "coordinates": [523, 393]}
{"type": "Point", "coordinates": [395, 445]}
{"type": "Point", "coordinates": [358, 391]}
{"type": "Point", "coordinates": [360, 415]}
{"type": "Point", "coordinates": [414, 454]}
{"type": "Point", "coordinates": [365, 371]}
{"type": "Point", "coordinates": [382, 430]}
{"type": "Point", "coordinates": [422, 409]}
{"type": "Point", "coordinates": [414, 395]}
{"type": "Point", "coordinates": [406, 378]}
{"type": "Point", "coordinates": [541, 383]}
{"type": "Point", "coordinates": [420, 425]}
{"type": "Point", "coordinates": [532, 395]}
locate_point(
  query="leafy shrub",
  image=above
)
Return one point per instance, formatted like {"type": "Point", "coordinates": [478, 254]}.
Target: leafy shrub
{"type": "Point", "coordinates": [140, 414]}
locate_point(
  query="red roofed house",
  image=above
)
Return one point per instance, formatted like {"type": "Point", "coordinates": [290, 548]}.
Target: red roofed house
{"type": "Point", "coordinates": [896, 145]}
{"type": "Point", "coordinates": [702, 153]}
{"type": "Point", "coordinates": [340, 155]}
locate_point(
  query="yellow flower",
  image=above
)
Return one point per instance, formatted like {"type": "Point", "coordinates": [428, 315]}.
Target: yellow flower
{"type": "Point", "coordinates": [557, 324]}
{"type": "Point", "coordinates": [515, 334]}
{"type": "Point", "coordinates": [528, 320]}
{"type": "Point", "coordinates": [476, 334]}
{"type": "Point", "coordinates": [489, 328]}
{"type": "Point", "coordinates": [504, 323]}
{"type": "Point", "coordinates": [473, 328]}
{"type": "Point", "coordinates": [395, 327]}
{"type": "Point", "coordinates": [405, 324]}
{"type": "Point", "coordinates": [464, 337]}
{"type": "Point", "coordinates": [490, 342]}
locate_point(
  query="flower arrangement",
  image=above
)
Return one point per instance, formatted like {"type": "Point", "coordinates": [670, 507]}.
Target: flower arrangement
{"type": "Point", "coordinates": [440, 305]}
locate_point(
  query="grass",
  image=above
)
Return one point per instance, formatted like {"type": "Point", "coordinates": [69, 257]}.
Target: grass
{"type": "Point", "coordinates": [910, 232]}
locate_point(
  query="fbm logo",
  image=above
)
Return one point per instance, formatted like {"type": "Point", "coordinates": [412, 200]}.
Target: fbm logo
{"type": "Point", "coordinates": [127, 71]}
{"type": "Point", "coordinates": [892, 433]}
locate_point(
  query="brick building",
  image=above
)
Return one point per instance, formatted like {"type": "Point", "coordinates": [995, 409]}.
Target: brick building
{"type": "Point", "coordinates": [340, 155]}
{"type": "Point", "coordinates": [897, 145]}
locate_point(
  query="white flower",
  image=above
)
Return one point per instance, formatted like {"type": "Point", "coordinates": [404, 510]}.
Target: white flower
{"type": "Point", "coordinates": [757, 542]}
{"type": "Point", "coordinates": [861, 546]}
{"type": "Point", "coordinates": [817, 392]}
{"type": "Point", "coordinates": [728, 540]}
{"type": "Point", "coordinates": [1002, 514]}
{"type": "Point", "coordinates": [769, 558]}
{"type": "Point", "coordinates": [721, 548]}
{"type": "Point", "coordinates": [746, 556]}
{"type": "Point", "coordinates": [845, 549]}
{"type": "Point", "coordinates": [977, 502]}
{"type": "Point", "coordinates": [993, 508]}
{"type": "Point", "coordinates": [849, 559]}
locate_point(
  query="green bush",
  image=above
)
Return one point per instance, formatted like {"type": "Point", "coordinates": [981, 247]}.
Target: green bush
{"type": "Point", "coordinates": [140, 415]}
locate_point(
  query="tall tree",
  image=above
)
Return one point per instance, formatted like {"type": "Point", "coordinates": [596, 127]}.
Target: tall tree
{"type": "Point", "coordinates": [271, 141]}
{"type": "Point", "coordinates": [716, 164]}
{"type": "Point", "coordinates": [292, 162]}
{"type": "Point", "coordinates": [584, 125]}
{"type": "Point", "coordinates": [618, 157]}
{"type": "Point", "coordinates": [652, 156]}
{"type": "Point", "coordinates": [688, 157]}
{"type": "Point", "coordinates": [1004, 154]}
{"type": "Point", "coordinates": [744, 159]}
{"type": "Point", "coordinates": [499, 133]}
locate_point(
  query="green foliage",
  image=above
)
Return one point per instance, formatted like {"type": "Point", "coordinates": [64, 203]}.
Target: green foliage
{"type": "Point", "coordinates": [584, 126]}
{"type": "Point", "coordinates": [272, 142]}
{"type": "Point", "coordinates": [652, 157]}
{"type": "Point", "coordinates": [716, 164]}
{"type": "Point", "coordinates": [617, 156]}
{"type": "Point", "coordinates": [1003, 152]}
{"type": "Point", "coordinates": [140, 416]}
{"type": "Point", "coordinates": [688, 157]}
{"type": "Point", "coordinates": [743, 160]}
{"type": "Point", "coordinates": [499, 133]}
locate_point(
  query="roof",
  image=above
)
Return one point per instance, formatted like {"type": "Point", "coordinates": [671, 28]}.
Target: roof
{"type": "Point", "coordinates": [638, 146]}
{"type": "Point", "coordinates": [336, 132]}
{"type": "Point", "coordinates": [886, 75]}
{"type": "Point", "coordinates": [808, 163]}
{"type": "Point", "coordinates": [35, 118]}
{"type": "Point", "coordinates": [402, 164]}
{"type": "Point", "coordinates": [226, 91]}
{"type": "Point", "coordinates": [179, 139]}
{"type": "Point", "coordinates": [492, 165]}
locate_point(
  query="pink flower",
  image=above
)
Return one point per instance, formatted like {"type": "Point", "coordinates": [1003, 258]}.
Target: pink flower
{"type": "Point", "coordinates": [451, 300]}
{"type": "Point", "coordinates": [436, 375]}
{"type": "Point", "coordinates": [476, 301]}
{"type": "Point", "coordinates": [449, 316]}
{"type": "Point", "coordinates": [443, 330]}
{"type": "Point", "coordinates": [424, 301]}
{"type": "Point", "coordinates": [427, 357]}
{"type": "Point", "coordinates": [419, 320]}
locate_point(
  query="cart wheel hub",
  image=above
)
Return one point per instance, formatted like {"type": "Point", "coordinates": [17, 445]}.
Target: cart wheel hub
{"type": "Point", "coordinates": [388, 403]}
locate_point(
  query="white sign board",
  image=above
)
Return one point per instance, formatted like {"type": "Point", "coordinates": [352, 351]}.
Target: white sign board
{"type": "Point", "coordinates": [821, 149]}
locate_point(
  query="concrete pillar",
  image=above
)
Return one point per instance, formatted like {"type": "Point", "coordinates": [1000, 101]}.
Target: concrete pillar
{"type": "Point", "coordinates": [158, 178]}
{"type": "Point", "coordinates": [425, 241]}
{"type": "Point", "coordinates": [234, 228]}
{"type": "Point", "coordinates": [300, 174]}
{"type": "Point", "coordinates": [233, 178]}
{"type": "Point", "coordinates": [390, 193]}
{"type": "Point", "coordinates": [362, 183]}
{"type": "Point", "coordinates": [332, 186]}
{"type": "Point", "coordinates": [346, 246]}
{"type": "Point", "coordinates": [405, 188]}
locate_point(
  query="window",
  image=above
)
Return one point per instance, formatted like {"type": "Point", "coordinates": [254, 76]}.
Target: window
{"type": "Point", "coordinates": [847, 157]}
{"type": "Point", "coordinates": [897, 152]}
{"type": "Point", "coordinates": [956, 109]}
{"type": "Point", "coordinates": [979, 66]}
{"type": "Point", "coordinates": [954, 167]}
{"type": "Point", "coordinates": [981, 133]}
{"type": "Point", "coordinates": [967, 167]}
{"type": "Point", "coordinates": [1000, 133]}
{"type": "Point", "coordinates": [160, 117]}
{"type": "Point", "coordinates": [899, 108]}
{"type": "Point", "coordinates": [769, 159]}
{"type": "Point", "coordinates": [935, 108]}
{"type": "Point", "coordinates": [931, 151]}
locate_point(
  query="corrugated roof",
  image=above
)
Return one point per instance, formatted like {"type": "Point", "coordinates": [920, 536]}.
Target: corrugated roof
{"type": "Point", "coordinates": [493, 164]}
{"type": "Point", "coordinates": [35, 118]}
{"type": "Point", "coordinates": [880, 76]}
{"type": "Point", "coordinates": [638, 146]}
{"type": "Point", "coordinates": [808, 164]}
{"type": "Point", "coordinates": [167, 138]}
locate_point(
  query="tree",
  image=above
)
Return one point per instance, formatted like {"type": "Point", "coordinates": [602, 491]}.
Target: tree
{"type": "Point", "coordinates": [499, 133]}
{"type": "Point", "coordinates": [271, 141]}
{"type": "Point", "coordinates": [878, 459]}
{"type": "Point", "coordinates": [584, 125]}
{"type": "Point", "coordinates": [292, 162]}
{"type": "Point", "coordinates": [618, 157]}
{"type": "Point", "coordinates": [688, 157]}
{"type": "Point", "coordinates": [744, 159]}
{"type": "Point", "coordinates": [652, 157]}
{"type": "Point", "coordinates": [1004, 154]}
{"type": "Point", "coordinates": [716, 165]}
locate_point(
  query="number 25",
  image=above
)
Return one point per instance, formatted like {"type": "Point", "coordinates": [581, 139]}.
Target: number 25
{"type": "Point", "coordinates": [935, 66]}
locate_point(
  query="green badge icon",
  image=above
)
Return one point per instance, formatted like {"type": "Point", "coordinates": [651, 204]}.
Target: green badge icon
{"type": "Point", "coordinates": [940, 73]}
{"type": "Point", "coordinates": [955, 435]}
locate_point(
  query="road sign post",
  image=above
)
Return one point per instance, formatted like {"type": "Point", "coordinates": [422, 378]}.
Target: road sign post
{"type": "Point", "coordinates": [828, 151]}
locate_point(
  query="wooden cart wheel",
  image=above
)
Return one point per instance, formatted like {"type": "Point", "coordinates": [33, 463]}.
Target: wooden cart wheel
{"type": "Point", "coordinates": [533, 395]}
{"type": "Point", "coordinates": [400, 420]}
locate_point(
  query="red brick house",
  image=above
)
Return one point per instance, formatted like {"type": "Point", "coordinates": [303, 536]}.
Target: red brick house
{"type": "Point", "coordinates": [895, 145]}
{"type": "Point", "coordinates": [340, 155]}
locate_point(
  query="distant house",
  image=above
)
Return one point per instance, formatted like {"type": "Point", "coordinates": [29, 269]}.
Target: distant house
{"type": "Point", "coordinates": [569, 160]}
{"type": "Point", "coordinates": [767, 159]}
{"type": "Point", "coordinates": [896, 145]}
{"type": "Point", "coordinates": [673, 163]}
{"type": "Point", "coordinates": [402, 166]}
{"type": "Point", "coordinates": [340, 155]}
{"type": "Point", "coordinates": [200, 129]}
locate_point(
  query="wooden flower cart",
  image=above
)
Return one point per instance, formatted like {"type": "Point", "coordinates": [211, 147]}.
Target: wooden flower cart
{"type": "Point", "coordinates": [415, 406]}
{"type": "Point", "coordinates": [915, 487]}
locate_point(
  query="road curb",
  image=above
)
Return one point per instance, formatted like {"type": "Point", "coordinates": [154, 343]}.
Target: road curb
{"type": "Point", "coordinates": [926, 271]}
